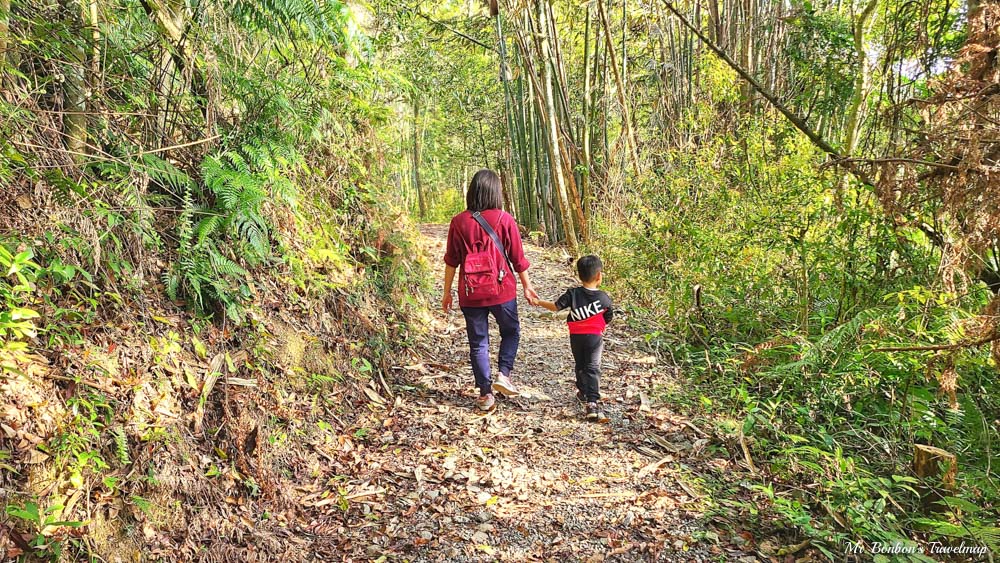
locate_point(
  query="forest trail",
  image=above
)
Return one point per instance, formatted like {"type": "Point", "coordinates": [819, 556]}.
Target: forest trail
{"type": "Point", "coordinates": [533, 480]}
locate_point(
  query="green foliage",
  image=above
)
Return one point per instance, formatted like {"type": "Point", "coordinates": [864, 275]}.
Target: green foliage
{"type": "Point", "coordinates": [239, 185]}
{"type": "Point", "coordinates": [762, 241]}
{"type": "Point", "coordinates": [454, 103]}
{"type": "Point", "coordinates": [78, 446]}
{"type": "Point", "coordinates": [323, 20]}
{"type": "Point", "coordinates": [121, 445]}
{"type": "Point", "coordinates": [201, 272]}
{"type": "Point", "coordinates": [802, 278]}
{"type": "Point", "coordinates": [822, 52]}
{"type": "Point", "coordinates": [240, 196]}
{"type": "Point", "coordinates": [840, 415]}
{"type": "Point", "coordinates": [17, 275]}
{"type": "Point", "coordinates": [37, 519]}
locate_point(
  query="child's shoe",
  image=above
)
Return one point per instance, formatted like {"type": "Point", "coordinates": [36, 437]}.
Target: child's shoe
{"type": "Point", "coordinates": [505, 386]}
{"type": "Point", "coordinates": [596, 414]}
{"type": "Point", "coordinates": [602, 417]}
{"type": "Point", "coordinates": [486, 402]}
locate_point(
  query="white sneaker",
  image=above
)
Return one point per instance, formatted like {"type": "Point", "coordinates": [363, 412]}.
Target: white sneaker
{"type": "Point", "coordinates": [486, 402]}
{"type": "Point", "coordinates": [505, 387]}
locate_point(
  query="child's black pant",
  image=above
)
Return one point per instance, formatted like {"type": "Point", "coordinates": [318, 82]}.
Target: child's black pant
{"type": "Point", "coordinates": [587, 349]}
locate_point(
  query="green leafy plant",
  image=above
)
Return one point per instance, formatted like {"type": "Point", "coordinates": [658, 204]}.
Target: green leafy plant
{"type": "Point", "coordinates": [210, 235]}
{"type": "Point", "coordinates": [16, 321]}
{"type": "Point", "coordinates": [38, 522]}
{"type": "Point", "coordinates": [202, 273]}
{"type": "Point", "coordinates": [78, 446]}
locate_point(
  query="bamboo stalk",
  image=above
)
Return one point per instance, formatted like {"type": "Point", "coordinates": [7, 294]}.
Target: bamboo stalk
{"type": "Point", "coordinates": [553, 140]}
{"type": "Point", "coordinates": [585, 177]}
{"type": "Point", "coordinates": [626, 119]}
{"type": "Point", "coordinates": [507, 111]}
{"type": "Point", "coordinates": [421, 200]}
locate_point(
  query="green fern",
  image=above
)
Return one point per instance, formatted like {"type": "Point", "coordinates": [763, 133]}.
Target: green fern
{"type": "Point", "coordinates": [314, 19]}
{"type": "Point", "coordinates": [225, 267]}
{"type": "Point", "coordinates": [121, 445]}
{"type": "Point", "coordinates": [240, 193]}
{"type": "Point", "coordinates": [165, 173]}
{"type": "Point", "coordinates": [989, 536]}
{"type": "Point", "coordinates": [825, 353]}
{"type": "Point", "coordinates": [238, 184]}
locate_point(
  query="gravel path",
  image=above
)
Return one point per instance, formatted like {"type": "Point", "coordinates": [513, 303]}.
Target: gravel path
{"type": "Point", "coordinates": [531, 480]}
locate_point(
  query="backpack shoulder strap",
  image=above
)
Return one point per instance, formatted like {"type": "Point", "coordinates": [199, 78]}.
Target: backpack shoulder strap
{"type": "Point", "coordinates": [493, 235]}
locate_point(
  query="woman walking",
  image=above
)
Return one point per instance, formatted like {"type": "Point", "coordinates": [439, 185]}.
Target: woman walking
{"type": "Point", "coordinates": [484, 246]}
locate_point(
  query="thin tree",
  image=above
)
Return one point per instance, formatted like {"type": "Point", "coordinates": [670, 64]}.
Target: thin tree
{"type": "Point", "coordinates": [417, 184]}
{"type": "Point", "coordinates": [626, 118]}
{"type": "Point", "coordinates": [552, 131]}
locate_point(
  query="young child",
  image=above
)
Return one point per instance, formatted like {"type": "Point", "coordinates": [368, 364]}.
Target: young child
{"type": "Point", "coordinates": [589, 312]}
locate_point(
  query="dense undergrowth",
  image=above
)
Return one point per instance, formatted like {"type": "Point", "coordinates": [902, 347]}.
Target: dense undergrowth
{"type": "Point", "coordinates": [777, 290]}
{"type": "Point", "coordinates": [200, 285]}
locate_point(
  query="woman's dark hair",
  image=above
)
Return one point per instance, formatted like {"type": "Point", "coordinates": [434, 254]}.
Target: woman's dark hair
{"type": "Point", "coordinates": [484, 192]}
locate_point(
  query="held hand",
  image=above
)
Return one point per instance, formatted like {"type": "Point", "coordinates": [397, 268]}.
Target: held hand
{"type": "Point", "coordinates": [531, 295]}
{"type": "Point", "coordinates": [446, 302]}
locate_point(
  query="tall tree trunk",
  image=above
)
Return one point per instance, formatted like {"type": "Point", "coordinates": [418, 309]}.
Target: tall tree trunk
{"type": "Point", "coordinates": [585, 177]}
{"type": "Point", "coordinates": [715, 24]}
{"type": "Point", "coordinates": [74, 100]}
{"type": "Point", "coordinates": [4, 30]}
{"type": "Point", "coordinates": [525, 157]}
{"type": "Point", "coordinates": [552, 130]}
{"type": "Point", "coordinates": [512, 185]}
{"type": "Point", "coordinates": [582, 229]}
{"type": "Point", "coordinates": [624, 44]}
{"type": "Point", "coordinates": [89, 12]}
{"type": "Point", "coordinates": [622, 99]}
{"type": "Point", "coordinates": [861, 79]}
{"type": "Point", "coordinates": [568, 147]}
{"type": "Point", "coordinates": [417, 185]}
{"type": "Point", "coordinates": [507, 188]}
{"type": "Point", "coordinates": [605, 112]}
{"type": "Point", "coordinates": [745, 48]}
{"type": "Point", "coordinates": [560, 75]}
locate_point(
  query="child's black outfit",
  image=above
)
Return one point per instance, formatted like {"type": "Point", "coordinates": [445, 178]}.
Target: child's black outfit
{"type": "Point", "coordinates": [589, 313]}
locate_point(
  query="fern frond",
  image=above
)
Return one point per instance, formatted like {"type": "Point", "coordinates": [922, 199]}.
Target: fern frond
{"type": "Point", "coordinates": [326, 20]}
{"type": "Point", "coordinates": [172, 281]}
{"type": "Point", "coordinates": [224, 266]}
{"type": "Point", "coordinates": [165, 173]}
{"type": "Point", "coordinates": [206, 227]}
{"type": "Point", "coordinates": [121, 445]}
{"type": "Point", "coordinates": [237, 161]}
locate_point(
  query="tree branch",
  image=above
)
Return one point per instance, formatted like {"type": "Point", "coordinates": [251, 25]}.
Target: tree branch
{"type": "Point", "coordinates": [939, 347]}
{"type": "Point", "coordinates": [797, 121]}
{"type": "Point", "coordinates": [455, 31]}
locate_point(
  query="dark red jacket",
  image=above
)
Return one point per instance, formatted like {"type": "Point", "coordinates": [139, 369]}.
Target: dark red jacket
{"type": "Point", "coordinates": [463, 234]}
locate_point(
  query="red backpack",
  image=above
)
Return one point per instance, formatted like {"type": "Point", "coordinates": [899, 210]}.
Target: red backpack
{"type": "Point", "coordinates": [483, 276]}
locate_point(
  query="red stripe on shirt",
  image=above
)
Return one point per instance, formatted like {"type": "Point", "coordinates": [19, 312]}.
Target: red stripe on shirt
{"type": "Point", "coordinates": [592, 325]}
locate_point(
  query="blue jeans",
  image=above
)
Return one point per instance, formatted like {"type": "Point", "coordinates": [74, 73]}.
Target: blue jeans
{"type": "Point", "coordinates": [477, 327]}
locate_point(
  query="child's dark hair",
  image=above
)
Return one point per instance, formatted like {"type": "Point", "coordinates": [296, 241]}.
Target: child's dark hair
{"type": "Point", "coordinates": [588, 267]}
{"type": "Point", "coordinates": [484, 191]}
